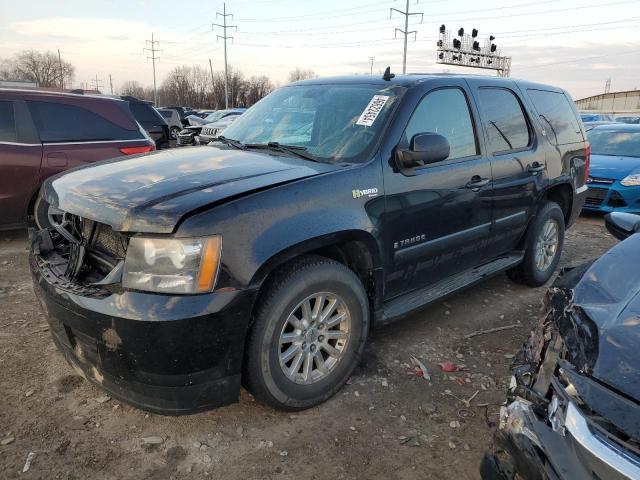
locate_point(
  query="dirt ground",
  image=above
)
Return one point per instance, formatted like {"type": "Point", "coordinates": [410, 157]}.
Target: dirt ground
{"type": "Point", "coordinates": [386, 423]}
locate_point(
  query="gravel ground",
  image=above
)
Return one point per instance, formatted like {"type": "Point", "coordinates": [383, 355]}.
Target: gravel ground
{"type": "Point", "coordinates": [387, 422]}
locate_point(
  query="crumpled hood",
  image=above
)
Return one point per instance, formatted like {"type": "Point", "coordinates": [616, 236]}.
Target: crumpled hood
{"type": "Point", "coordinates": [613, 167]}
{"type": "Point", "coordinates": [608, 294]}
{"type": "Point", "coordinates": [151, 193]}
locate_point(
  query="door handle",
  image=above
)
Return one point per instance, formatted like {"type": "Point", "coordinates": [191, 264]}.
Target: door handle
{"type": "Point", "coordinates": [477, 182]}
{"type": "Point", "coordinates": [535, 168]}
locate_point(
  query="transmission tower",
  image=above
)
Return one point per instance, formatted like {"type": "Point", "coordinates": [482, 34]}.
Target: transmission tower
{"type": "Point", "coordinates": [96, 84]}
{"type": "Point", "coordinates": [406, 31]}
{"type": "Point", "coordinates": [224, 38]}
{"type": "Point", "coordinates": [607, 86]}
{"type": "Point", "coordinates": [153, 58]}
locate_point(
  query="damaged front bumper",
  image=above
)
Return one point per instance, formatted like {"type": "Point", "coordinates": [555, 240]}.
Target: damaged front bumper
{"type": "Point", "coordinates": [563, 445]}
{"type": "Point", "coordinates": [559, 423]}
{"type": "Point", "coordinates": [169, 354]}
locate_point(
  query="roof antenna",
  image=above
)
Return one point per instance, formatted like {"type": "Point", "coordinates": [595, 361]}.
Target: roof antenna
{"type": "Point", "coordinates": [387, 74]}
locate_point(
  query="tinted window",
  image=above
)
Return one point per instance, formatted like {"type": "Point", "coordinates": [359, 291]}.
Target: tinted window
{"type": "Point", "coordinates": [7, 123]}
{"type": "Point", "coordinates": [623, 143]}
{"type": "Point", "coordinates": [59, 122]}
{"type": "Point", "coordinates": [144, 112]}
{"type": "Point", "coordinates": [557, 116]}
{"type": "Point", "coordinates": [167, 114]}
{"type": "Point", "coordinates": [504, 119]}
{"type": "Point", "coordinates": [445, 112]}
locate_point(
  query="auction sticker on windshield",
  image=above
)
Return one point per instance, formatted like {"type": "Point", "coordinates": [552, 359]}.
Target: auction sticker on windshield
{"type": "Point", "coordinates": [373, 110]}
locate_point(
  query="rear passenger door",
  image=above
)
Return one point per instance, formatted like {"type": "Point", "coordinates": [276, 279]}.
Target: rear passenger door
{"type": "Point", "coordinates": [517, 159]}
{"type": "Point", "coordinates": [20, 157]}
{"type": "Point", "coordinates": [438, 217]}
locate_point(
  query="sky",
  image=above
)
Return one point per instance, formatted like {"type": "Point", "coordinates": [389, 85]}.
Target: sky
{"type": "Point", "coordinates": [574, 44]}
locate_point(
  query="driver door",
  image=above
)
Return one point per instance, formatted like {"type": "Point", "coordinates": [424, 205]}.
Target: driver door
{"type": "Point", "coordinates": [438, 216]}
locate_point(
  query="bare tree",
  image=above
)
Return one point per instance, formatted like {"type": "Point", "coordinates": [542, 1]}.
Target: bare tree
{"type": "Point", "coordinates": [43, 68]}
{"type": "Point", "coordinates": [132, 88]}
{"type": "Point", "coordinates": [301, 74]}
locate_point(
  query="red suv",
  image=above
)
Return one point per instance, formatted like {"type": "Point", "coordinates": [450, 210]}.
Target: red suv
{"type": "Point", "coordinates": [43, 133]}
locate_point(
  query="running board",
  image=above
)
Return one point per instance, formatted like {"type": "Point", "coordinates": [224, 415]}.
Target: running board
{"type": "Point", "coordinates": [409, 302]}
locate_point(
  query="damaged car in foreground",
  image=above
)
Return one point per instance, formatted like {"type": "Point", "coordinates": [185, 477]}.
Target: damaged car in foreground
{"type": "Point", "coordinates": [573, 410]}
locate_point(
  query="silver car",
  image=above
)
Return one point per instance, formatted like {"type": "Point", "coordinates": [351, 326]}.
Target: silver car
{"type": "Point", "coordinates": [211, 131]}
{"type": "Point", "coordinates": [173, 120]}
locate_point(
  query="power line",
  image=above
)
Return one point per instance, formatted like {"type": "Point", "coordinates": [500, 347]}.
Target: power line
{"type": "Point", "coordinates": [406, 31]}
{"type": "Point", "coordinates": [224, 37]}
{"type": "Point", "coordinates": [153, 58]}
{"type": "Point", "coordinates": [574, 60]}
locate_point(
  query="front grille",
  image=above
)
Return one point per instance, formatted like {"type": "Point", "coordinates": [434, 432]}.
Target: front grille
{"type": "Point", "coordinates": [595, 196]}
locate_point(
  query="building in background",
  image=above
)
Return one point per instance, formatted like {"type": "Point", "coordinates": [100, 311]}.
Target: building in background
{"type": "Point", "coordinates": [612, 102]}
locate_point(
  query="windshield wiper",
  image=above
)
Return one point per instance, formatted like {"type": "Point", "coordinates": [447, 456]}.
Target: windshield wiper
{"type": "Point", "coordinates": [230, 141]}
{"type": "Point", "coordinates": [297, 150]}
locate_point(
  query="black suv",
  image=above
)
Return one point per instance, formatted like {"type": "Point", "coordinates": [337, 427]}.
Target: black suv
{"type": "Point", "coordinates": [150, 119]}
{"type": "Point", "coordinates": [330, 207]}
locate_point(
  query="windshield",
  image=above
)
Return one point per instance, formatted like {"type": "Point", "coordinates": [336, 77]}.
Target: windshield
{"type": "Point", "coordinates": [615, 142]}
{"type": "Point", "coordinates": [333, 123]}
{"type": "Point", "coordinates": [215, 116]}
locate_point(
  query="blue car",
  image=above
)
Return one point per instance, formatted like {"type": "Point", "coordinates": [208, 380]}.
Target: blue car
{"type": "Point", "coordinates": [614, 176]}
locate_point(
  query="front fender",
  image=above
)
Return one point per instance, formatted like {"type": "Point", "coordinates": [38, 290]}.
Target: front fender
{"type": "Point", "coordinates": [263, 229]}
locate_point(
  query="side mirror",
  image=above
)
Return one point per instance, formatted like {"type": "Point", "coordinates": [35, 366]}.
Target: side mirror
{"type": "Point", "coordinates": [424, 148]}
{"type": "Point", "coordinates": [622, 225]}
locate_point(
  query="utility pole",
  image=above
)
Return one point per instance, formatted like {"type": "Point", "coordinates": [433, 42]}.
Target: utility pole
{"type": "Point", "coordinates": [371, 60]}
{"type": "Point", "coordinates": [111, 83]}
{"type": "Point", "coordinates": [224, 37]}
{"type": "Point", "coordinates": [607, 86]}
{"type": "Point", "coordinates": [96, 83]}
{"type": "Point", "coordinates": [61, 71]}
{"type": "Point", "coordinates": [211, 70]}
{"type": "Point", "coordinates": [406, 31]}
{"type": "Point", "coordinates": [153, 58]}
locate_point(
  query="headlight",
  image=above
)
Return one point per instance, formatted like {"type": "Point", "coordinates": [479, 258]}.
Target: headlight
{"type": "Point", "coordinates": [632, 180]}
{"type": "Point", "coordinates": [171, 265]}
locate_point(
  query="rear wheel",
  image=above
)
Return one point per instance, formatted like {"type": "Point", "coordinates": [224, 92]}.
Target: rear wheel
{"type": "Point", "coordinates": [309, 331]}
{"type": "Point", "coordinates": [174, 133]}
{"type": "Point", "coordinates": [544, 242]}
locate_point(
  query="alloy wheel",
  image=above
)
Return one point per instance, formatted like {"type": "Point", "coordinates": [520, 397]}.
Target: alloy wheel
{"type": "Point", "coordinates": [314, 338]}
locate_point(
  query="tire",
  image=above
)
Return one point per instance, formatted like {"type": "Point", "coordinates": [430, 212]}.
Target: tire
{"type": "Point", "coordinates": [173, 133]}
{"type": "Point", "coordinates": [532, 271]}
{"type": "Point", "coordinates": [279, 307]}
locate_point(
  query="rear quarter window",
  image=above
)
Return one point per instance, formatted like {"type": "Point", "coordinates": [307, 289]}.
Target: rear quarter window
{"type": "Point", "coordinates": [7, 122]}
{"type": "Point", "coordinates": [144, 112]}
{"type": "Point", "coordinates": [61, 122]}
{"type": "Point", "coordinates": [557, 116]}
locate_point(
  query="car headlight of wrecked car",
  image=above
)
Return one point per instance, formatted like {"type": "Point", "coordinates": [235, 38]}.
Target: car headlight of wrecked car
{"type": "Point", "coordinates": [632, 180]}
{"type": "Point", "coordinates": [172, 265]}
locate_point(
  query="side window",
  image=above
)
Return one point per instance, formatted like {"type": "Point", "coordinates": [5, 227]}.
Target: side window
{"type": "Point", "coordinates": [504, 120]}
{"type": "Point", "coordinates": [7, 122]}
{"type": "Point", "coordinates": [60, 122]}
{"type": "Point", "coordinates": [557, 116]}
{"type": "Point", "coordinates": [447, 113]}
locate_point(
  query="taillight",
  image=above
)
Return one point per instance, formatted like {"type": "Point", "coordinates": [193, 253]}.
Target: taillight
{"type": "Point", "coordinates": [587, 161]}
{"type": "Point", "coordinates": [136, 150]}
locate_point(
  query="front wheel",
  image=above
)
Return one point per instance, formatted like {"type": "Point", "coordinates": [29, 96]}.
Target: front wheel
{"type": "Point", "coordinates": [543, 245]}
{"type": "Point", "coordinates": [308, 334]}
{"type": "Point", "coordinates": [174, 133]}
